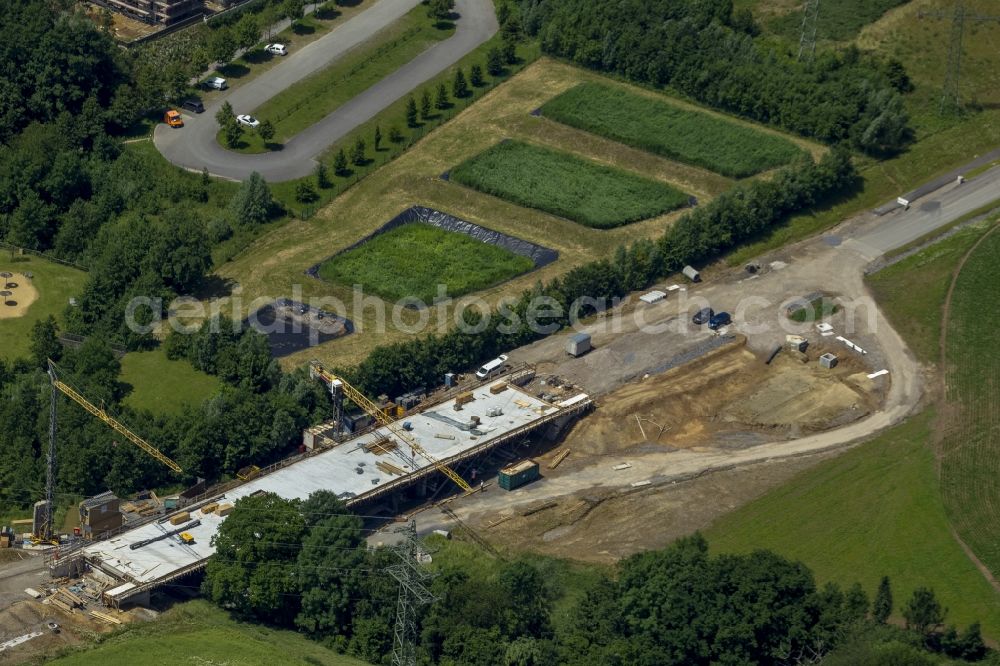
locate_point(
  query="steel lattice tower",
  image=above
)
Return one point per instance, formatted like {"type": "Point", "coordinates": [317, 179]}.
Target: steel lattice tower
{"type": "Point", "coordinates": [50, 466]}
{"type": "Point", "coordinates": [951, 97]}
{"type": "Point", "coordinates": [413, 592]}
{"type": "Point", "coordinates": [807, 38]}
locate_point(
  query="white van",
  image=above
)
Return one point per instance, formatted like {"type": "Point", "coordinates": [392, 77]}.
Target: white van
{"type": "Point", "coordinates": [216, 83]}
{"type": "Point", "coordinates": [493, 367]}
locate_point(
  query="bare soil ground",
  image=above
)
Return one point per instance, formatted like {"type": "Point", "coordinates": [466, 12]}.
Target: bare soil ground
{"type": "Point", "coordinates": [21, 296]}
{"type": "Point", "coordinates": [606, 525]}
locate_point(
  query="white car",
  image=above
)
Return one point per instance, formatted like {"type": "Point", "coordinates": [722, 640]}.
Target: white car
{"type": "Point", "coordinates": [248, 121]}
{"type": "Point", "coordinates": [276, 49]}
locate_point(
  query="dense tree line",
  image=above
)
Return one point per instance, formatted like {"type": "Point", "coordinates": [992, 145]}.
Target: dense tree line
{"type": "Point", "coordinates": [707, 51]}
{"type": "Point", "coordinates": [303, 564]}
{"type": "Point", "coordinates": [738, 215]}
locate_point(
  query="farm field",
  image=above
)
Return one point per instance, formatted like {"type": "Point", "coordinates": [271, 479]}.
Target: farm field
{"type": "Point", "coordinates": [163, 386]}
{"type": "Point", "coordinates": [912, 291]}
{"type": "Point", "coordinates": [55, 285]}
{"type": "Point", "coordinates": [873, 511]}
{"type": "Point", "coordinates": [654, 124]}
{"type": "Point", "coordinates": [969, 425]}
{"type": "Point", "coordinates": [197, 632]}
{"type": "Point", "coordinates": [562, 184]}
{"type": "Point", "coordinates": [312, 99]}
{"type": "Point", "coordinates": [411, 260]}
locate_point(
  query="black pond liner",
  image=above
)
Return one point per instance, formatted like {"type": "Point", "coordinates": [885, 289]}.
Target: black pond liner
{"type": "Point", "coordinates": [539, 255]}
{"type": "Point", "coordinates": [285, 340]}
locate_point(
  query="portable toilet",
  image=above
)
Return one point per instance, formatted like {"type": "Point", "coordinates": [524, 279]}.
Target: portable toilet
{"type": "Point", "coordinates": [578, 344]}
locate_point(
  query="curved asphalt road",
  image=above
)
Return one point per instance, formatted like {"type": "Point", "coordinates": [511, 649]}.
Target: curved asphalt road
{"type": "Point", "coordinates": [194, 147]}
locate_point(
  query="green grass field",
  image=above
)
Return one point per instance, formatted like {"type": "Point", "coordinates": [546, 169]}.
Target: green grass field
{"type": "Point", "coordinates": [55, 284]}
{"type": "Point", "coordinates": [912, 291]}
{"type": "Point", "coordinates": [565, 185]}
{"type": "Point", "coordinates": [312, 99]}
{"type": "Point", "coordinates": [198, 633]}
{"type": "Point", "coordinates": [873, 511]}
{"type": "Point", "coordinates": [411, 260]}
{"type": "Point", "coordinates": [970, 423]}
{"type": "Point", "coordinates": [719, 145]}
{"type": "Point", "coordinates": [163, 386]}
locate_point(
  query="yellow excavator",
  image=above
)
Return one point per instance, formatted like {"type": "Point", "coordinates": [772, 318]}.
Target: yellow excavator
{"type": "Point", "coordinates": [339, 384]}
{"type": "Point", "coordinates": [44, 535]}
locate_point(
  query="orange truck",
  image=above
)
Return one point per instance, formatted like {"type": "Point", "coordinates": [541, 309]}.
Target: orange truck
{"type": "Point", "coordinates": [173, 118]}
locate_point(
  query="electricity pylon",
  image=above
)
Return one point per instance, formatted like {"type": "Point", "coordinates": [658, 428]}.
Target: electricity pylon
{"type": "Point", "coordinates": [807, 38]}
{"type": "Point", "coordinates": [951, 99]}
{"type": "Point", "coordinates": [413, 592]}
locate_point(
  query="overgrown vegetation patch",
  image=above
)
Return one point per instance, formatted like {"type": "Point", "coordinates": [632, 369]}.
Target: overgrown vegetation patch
{"type": "Point", "coordinates": [691, 137]}
{"type": "Point", "coordinates": [562, 184]}
{"type": "Point", "coordinates": [411, 260]}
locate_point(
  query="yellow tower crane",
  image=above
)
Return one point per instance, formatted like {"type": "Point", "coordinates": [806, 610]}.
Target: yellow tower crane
{"type": "Point", "coordinates": [45, 533]}
{"type": "Point", "coordinates": [336, 383]}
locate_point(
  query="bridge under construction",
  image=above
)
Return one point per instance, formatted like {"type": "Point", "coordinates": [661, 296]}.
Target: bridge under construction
{"type": "Point", "coordinates": [369, 468]}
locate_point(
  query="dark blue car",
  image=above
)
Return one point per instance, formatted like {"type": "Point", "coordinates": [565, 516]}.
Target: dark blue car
{"type": "Point", "coordinates": [719, 320]}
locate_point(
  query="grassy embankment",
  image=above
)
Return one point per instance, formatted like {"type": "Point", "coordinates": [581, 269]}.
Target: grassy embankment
{"type": "Point", "coordinates": [197, 632]}
{"type": "Point", "coordinates": [565, 185]}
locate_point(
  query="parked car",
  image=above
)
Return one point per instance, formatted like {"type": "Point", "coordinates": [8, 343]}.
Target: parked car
{"type": "Point", "coordinates": [276, 49]}
{"type": "Point", "coordinates": [173, 118]}
{"type": "Point", "coordinates": [247, 121]}
{"type": "Point", "coordinates": [702, 316]}
{"type": "Point", "coordinates": [719, 320]}
{"type": "Point", "coordinates": [216, 83]}
{"type": "Point", "coordinates": [193, 105]}
{"type": "Point", "coordinates": [493, 367]}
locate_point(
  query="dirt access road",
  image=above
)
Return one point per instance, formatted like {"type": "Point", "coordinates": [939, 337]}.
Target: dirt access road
{"type": "Point", "coordinates": [194, 146]}
{"type": "Point", "coordinates": [835, 264]}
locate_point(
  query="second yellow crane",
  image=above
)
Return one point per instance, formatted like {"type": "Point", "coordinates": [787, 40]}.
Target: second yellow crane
{"type": "Point", "coordinates": [373, 410]}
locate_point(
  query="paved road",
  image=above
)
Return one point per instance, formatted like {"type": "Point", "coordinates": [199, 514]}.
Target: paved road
{"type": "Point", "coordinates": [194, 147]}
{"type": "Point", "coordinates": [934, 210]}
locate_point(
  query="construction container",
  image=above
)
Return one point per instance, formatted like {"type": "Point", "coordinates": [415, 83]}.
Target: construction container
{"type": "Point", "coordinates": [499, 387]}
{"type": "Point", "coordinates": [463, 398]}
{"type": "Point", "coordinates": [518, 474]}
{"type": "Point", "coordinates": [210, 508]}
{"type": "Point", "coordinates": [828, 360]}
{"type": "Point", "coordinates": [578, 344]}
{"type": "Point", "coordinates": [691, 274]}
{"type": "Point", "coordinates": [179, 518]}
{"type": "Point", "coordinates": [224, 509]}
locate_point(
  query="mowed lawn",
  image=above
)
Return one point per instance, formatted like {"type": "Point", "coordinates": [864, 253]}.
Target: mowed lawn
{"type": "Point", "coordinates": [838, 21]}
{"type": "Point", "coordinates": [565, 185]}
{"type": "Point", "coordinates": [310, 100]}
{"type": "Point", "coordinates": [652, 124]}
{"type": "Point", "coordinates": [163, 386]}
{"type": "Point", "coordinates": [411, 260]}
{"type": "Point", "coordinates": [873, 511]}
{"type": "Point", "coordinates": [970, 425]}
{"type": "Point", "coordinates": [55, 283]}
{"type": "Point", "coordinates": [198, 633]}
